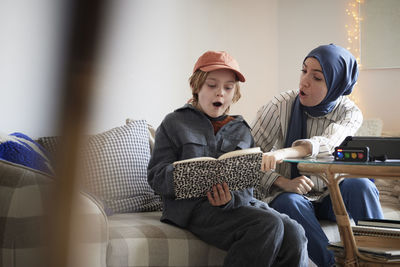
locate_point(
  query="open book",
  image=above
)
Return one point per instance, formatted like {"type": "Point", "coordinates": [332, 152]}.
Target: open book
{"type": "Point", "coordinates": [240, 169]}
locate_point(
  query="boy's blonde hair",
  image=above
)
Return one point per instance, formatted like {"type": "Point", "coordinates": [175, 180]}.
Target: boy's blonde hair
{"type": "Point", "coordinates": [197, 81]}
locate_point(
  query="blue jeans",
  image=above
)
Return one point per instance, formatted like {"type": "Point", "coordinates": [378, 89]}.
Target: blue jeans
{"type": "Point", "coordinates": [361, 198]}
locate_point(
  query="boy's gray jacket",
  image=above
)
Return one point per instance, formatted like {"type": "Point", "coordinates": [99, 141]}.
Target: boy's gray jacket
{"type": "Point", "coordinates": [188, 133]}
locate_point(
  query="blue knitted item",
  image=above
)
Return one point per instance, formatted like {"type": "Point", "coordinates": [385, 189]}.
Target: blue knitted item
{"type": "Point", "coordinates": [21, 149]}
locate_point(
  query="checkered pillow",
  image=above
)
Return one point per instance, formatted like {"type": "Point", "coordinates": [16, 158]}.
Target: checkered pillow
{"type": "Point", "coordinates": [115, 169]}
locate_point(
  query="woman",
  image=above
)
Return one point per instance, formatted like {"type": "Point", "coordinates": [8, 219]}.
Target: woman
{"type": "Point", "coordinates": [312, 121]}
{"type": "Point", "coordinates": [252, 233]}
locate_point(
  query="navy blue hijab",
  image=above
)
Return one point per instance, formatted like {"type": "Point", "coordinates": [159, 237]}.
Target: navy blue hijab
{"type": "Point", "coordinates": [341, 72]}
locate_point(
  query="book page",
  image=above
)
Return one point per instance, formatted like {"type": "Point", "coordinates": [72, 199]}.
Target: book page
{"type": "Point", "coordinates": [194, 159]}
{"type": "Point", "coordinates": [230, 154]}
{"type": "Point", "coordinates": [240, 152]}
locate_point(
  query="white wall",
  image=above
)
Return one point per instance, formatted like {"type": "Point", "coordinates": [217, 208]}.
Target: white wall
{"type": "Point", "coordinates": [29, 53]}
{"type": "Point", "coordinates": [302, 26]}
{"type": "Point", "coordinates": [378, 97]}
{"type": "Point", "coordinates": [151, 47]}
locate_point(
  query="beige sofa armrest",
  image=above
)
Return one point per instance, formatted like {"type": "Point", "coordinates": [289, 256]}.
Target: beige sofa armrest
{"type": "Point", "coordinates": [24, 193]}
{"type": "Point", "coordinates": [89, 233]}
{"type": "Point", "coordinates": [25, 199]}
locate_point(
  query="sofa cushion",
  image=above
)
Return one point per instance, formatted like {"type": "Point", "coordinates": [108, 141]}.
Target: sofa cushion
{"type": "Point", "coordinates": [115, 169]}
{"type": "Point", "coordinates": [140, 239]}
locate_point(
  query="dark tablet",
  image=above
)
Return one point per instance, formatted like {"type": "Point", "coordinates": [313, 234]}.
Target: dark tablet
{"type": "Point", "coordinates": [380, 148]}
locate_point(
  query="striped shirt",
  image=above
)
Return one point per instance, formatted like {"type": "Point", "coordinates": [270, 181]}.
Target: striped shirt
{"type": "Point", "coordinates": [323, 133]}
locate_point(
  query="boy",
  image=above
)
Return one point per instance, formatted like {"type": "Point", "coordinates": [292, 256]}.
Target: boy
{"type": "Point", "coordinates": [252, 233]}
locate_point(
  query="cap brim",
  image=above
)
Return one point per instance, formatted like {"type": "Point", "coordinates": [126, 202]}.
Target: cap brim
{"type": "Point", "coordinates": [218, 67]}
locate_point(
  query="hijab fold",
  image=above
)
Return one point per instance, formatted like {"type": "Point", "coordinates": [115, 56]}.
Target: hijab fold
{"type": "Point", "coordinates": [340, 72]}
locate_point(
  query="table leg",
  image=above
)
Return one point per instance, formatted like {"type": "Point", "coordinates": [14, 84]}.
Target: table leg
{"type": "Point", "coordinates": [342, 219]}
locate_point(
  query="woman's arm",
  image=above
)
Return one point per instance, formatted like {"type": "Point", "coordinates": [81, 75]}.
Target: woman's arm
{"type": "Point", "coordinates": [270, 159]}
{"type": "Point", "coordinates": [326, 134]}
{"type": "Point", "coordinates": [300, 185]}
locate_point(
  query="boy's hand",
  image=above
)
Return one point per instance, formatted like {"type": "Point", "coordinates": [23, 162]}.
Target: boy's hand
{"type": "Point", "coordinates": [220, 195]}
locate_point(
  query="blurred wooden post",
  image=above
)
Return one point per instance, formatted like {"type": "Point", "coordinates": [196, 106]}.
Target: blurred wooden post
{"type": "Point", "coordinates": [84, 25]}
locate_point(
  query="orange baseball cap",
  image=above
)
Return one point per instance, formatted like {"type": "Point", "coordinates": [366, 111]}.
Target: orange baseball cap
{"type": "Point", "coordinates": [212, 60]}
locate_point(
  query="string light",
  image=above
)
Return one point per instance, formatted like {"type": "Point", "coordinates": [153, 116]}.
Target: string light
{"type": "Point", "coordinates": [353, 36]}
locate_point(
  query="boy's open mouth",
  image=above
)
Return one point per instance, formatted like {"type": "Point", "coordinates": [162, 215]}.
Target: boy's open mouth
{"type": "Point", "coordinates": [217, 104]}
{"type": "Point", "coordinates": [302, 93]}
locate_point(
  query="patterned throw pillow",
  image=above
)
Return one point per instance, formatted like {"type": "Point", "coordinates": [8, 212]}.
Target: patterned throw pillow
{"type": "Point", "coordinates": [115, 169]}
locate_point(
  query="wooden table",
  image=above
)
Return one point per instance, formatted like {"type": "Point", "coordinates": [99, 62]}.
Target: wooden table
{"type": "Point", "coordinates": [332, 172]}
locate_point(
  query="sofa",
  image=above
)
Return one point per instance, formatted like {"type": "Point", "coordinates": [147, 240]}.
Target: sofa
{"type": "Point", "coordinates": [112, 225]}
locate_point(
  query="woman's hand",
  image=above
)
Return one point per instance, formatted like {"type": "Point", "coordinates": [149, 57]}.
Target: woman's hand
{"type": "Point", "coordinates": [300, 185]}
{"type": "Point", "coordinates": [220, 195]}
{"type": "Point", "coordinates": [270, 159]}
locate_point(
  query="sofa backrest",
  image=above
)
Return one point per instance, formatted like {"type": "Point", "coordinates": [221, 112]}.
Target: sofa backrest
{"type": "Point", "coordinates": [370, 127]}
